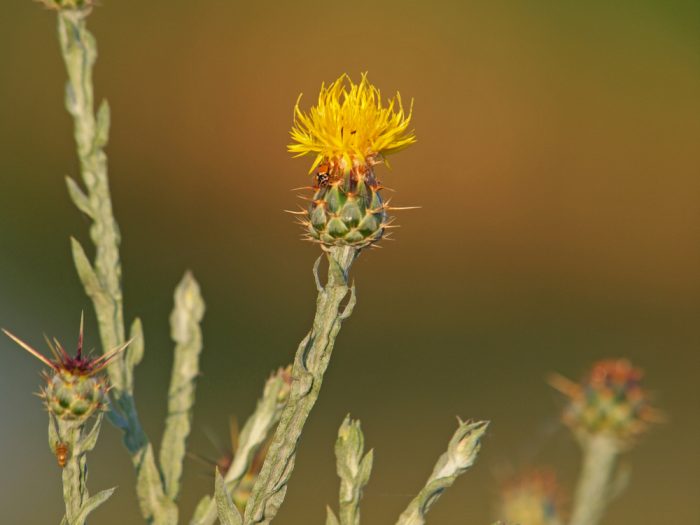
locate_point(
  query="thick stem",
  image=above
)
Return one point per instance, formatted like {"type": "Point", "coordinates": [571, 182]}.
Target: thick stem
{"type": "Point", "coordinates": [310, 363]}
{"type": "Point", "coordinates": [593, 491]}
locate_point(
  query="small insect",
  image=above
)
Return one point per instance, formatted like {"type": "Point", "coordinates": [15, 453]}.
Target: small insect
{"type": "Point", "coordinates": [62, 454]}
{"type": "Point", "coordinates": [322, 175]}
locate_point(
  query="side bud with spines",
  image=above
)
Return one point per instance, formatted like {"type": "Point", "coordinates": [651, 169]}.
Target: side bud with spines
{"type": "Point", "coordinates": [75, 388]}
{"type": "Point", "coordinates": [609, 401]}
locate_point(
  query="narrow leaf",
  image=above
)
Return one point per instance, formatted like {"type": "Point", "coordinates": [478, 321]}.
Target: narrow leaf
{"type": "Point", "coordinates": [94, 502]}
{"type": "Point", "coordinates": [102, 125]}
{"type": "Point", "coordinates": [185, 330]}
{"type": "Point", "coordinates": [86, 272]}
{"type": "Point", "coordinates": [228, 513]}
{"type": "Point", "coordinates": [152, 501]}
{"type": "Point", "coordinates": [90, 440]}
{"type": "Point", "coordinates": [79, 198]}
{"type": "Point", "coordinates": [134, 352]}
{"type": "Point", "coordinates": [331, 518]}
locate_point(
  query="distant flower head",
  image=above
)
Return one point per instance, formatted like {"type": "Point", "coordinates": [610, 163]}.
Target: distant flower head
{"type": "Point", "coordinates": [533, 498]}
{"type": "Point", "coordinates": [610, 400]}
{"type": "Point", "coordinates": [350, 125]}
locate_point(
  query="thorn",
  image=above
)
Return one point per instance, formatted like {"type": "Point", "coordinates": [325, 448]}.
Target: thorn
{"type": "Point", "coordinates": [202, 459]}
{"type": "Point", "coordinates": [233, 433]}
{"type": "Point", "coordinates": [29, 349]}
{"type": "Point", "coordinates": [52, 348]}
{"type": "Point", "coordinates": [105, 359]}
{"type": "Point", "coordinates": [303, 188]}
{"type": "Point", "coordinates": [398, 208]}
{"type": "Point", "coordinates": [62, 351]}
{"type": "Point", "coordinates": [80, 336]}
{"type": "Point", "coordinates": [564, 385]}
{"type": "Point", "coordinates": [304, 212]}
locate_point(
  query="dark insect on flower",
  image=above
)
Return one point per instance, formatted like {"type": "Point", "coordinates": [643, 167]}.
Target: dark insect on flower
{"type": "Point", "coordinates": [62, 454]}
{"type": "Point", "coordinates": [322, 175]}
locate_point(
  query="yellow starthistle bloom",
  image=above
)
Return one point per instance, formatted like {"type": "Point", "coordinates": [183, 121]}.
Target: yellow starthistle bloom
{"type": "Point", "coordinates": [350, 125]}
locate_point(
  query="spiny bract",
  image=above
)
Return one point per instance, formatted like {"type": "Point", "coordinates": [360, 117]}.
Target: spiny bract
{"type": "Point", "coordinates": [74, 389]}
{"type": "Point", "coordinates": [350, 131]}
{"type": "Point", "coordinates": [74, 396]}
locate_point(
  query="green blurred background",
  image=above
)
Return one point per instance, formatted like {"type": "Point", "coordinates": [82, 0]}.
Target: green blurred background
{"type": "Point", "coordinates": [557, 168]}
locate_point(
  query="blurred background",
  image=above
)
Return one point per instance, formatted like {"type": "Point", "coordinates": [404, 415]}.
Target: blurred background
{"type": "Point", "coordinates": [557, 167]}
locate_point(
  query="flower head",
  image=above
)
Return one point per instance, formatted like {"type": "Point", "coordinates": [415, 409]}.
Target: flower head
{"type": "Point", "coordinates": [74, 388]}
{"type": "Point", "coordinates": [350, 125]}
{"type": "Point", "coordinates": [610, 400]}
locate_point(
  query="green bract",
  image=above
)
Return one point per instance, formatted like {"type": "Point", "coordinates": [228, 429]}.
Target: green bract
{"type": "Point", "coordinates": [348, 211]}
{"type": "Point", "coordinates": [74, 396]}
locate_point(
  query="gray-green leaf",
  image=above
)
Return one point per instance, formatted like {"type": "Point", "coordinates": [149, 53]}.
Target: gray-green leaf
{"type": "Point", "coordinates": [79, 198]}
{"type": "Point", "coordinates": [228, 513]}
{"type": "Point", "coordinates": [94, 502]}
{"type": "Point", "coordinates": [102, 125]}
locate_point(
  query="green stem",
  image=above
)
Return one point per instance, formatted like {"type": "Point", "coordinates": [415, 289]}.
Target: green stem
{"type": "Point", "coordinates": [310, 363]}
{"type": "Point", "coordinates": [74, 475]}
{"type": "Point", "coordinates": [103, 281]}
{"type": "Point", "coordinates": [593, 491]}
{"type": "Point", "coordinates": [73, 440]}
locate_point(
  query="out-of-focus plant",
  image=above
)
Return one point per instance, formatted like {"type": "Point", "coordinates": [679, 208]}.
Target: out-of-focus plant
{"type": "Point", "coordinates": [606, 413]}
{"type": "Point", "coordinates": [532, 498]}
{"type": "Point", "coordinates": [350, 132]}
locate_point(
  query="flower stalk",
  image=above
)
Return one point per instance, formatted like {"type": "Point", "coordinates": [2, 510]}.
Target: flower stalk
{"type": "Point", "coordinates": [593, 493]}
{"type": "Point", "coordinates": [310, 363]}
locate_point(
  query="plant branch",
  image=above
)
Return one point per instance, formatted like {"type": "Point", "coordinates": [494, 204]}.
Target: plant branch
{"type": "Point", "coordinates": [460, 456]}
{"type": "Point", "coordinates": [310, 363]}
{"type": "Point", "coordinates": [102, 281]}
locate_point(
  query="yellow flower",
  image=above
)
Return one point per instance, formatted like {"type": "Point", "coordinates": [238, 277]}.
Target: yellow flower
{"type": "Point", "coordinates": [350, 125]}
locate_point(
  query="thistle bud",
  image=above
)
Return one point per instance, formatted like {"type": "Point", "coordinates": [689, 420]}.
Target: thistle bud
{"type": "Point", "coordinates": [610, 401]}
{"type": "Point", "coordinates": [75, 389]}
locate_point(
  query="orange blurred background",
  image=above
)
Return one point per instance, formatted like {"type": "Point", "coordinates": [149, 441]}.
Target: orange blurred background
{"type": "Point", "coordinates": [557, 167]}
